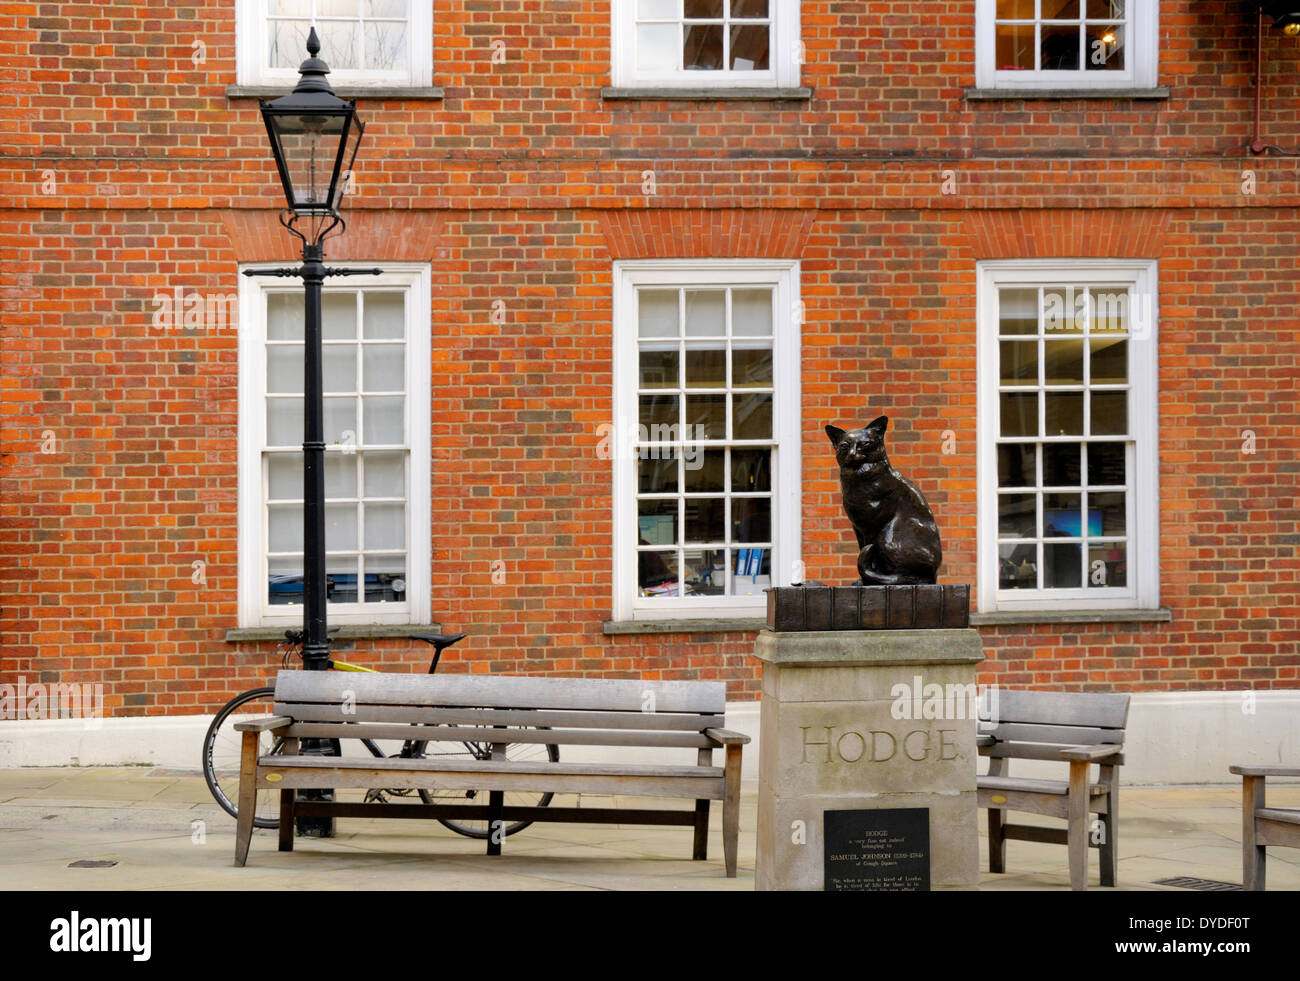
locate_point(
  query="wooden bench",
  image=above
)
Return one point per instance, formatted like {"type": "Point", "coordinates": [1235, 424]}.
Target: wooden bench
{"type": "Point", "coordinates": [1261, 825]}
{"type": "Point", "coordinates": [1078, 728]}
{"type": "Point", "coordinates": [578, 712]}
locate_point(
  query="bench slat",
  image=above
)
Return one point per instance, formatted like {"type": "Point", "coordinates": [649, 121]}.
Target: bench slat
{"type": "Point", "coordinates": [1067, 708]}
{"type": "Point", "coordinates": [1065, 735]}
{"type": "Point", "coordinates": [500, 691]}
{"type": "Point", "coordinates": [1034, 751]}
{"type": "Point", "coordinates": [479, 767]}
{"type": "Point", "coordinates": [657, 721]}
{"type": "Point", "coordinates": [1030, 785]}
{"type": "Point", "coordinates": [587, 737]}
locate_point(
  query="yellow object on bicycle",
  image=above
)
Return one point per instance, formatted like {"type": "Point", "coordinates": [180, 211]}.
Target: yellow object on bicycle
{"type": "Point", "coordinates": [344, 666]}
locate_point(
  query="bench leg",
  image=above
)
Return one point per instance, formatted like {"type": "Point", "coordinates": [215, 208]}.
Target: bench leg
{"type": "Point", "coordinates": [731, 809]}
{"type": "Point", "coordinates": [701, 849]}
{"type": "Point", "coordinates": [1252, 853]}
{"type": "Point", "coordinates": [1077, 835]}
{"type": "Point", "coordinates": [997, 840]}
{"type": "Point", "coordinates": [286, 819]}
{"type": "Point", "coordinates": [1110, 826]}
{"type": "Point", "coordinates": [247, 797]}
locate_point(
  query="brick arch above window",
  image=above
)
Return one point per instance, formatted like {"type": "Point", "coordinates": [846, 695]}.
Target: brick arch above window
{"type": "Point", "coordinates": [1051, 233]}
{"type": "Point", "coordinates": [380, 236]}
{"type": "Point", "coordinates": [778, 233]}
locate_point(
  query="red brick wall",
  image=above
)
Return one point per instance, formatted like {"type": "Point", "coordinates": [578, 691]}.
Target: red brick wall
{"type": "Point", "coordinates": [128, 172]}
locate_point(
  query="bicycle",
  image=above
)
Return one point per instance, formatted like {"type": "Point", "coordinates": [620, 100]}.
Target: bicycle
{"type": "Point", "coordinates": [221, 751]}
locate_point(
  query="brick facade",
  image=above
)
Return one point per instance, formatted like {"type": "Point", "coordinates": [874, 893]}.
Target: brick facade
{"type": "Point", "coordinates": [129, 172]}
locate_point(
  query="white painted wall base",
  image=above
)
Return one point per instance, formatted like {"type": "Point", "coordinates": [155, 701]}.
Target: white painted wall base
{"type": "Point", "coordinates": [1174, 738]}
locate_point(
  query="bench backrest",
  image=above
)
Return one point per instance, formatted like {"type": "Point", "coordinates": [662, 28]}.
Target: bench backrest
{"type": "Point", "coordinates": [1021, 720]}
{"type": "Point", "coordinates": [627, 712]}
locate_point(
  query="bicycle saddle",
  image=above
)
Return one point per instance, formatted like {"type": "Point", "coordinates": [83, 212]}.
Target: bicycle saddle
{"type": "Point", "coordinates": [439, 641]}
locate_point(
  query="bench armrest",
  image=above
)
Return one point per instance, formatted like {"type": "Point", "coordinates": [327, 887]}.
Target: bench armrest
{"type": "Point", "coordinates": [1265, 770]}
{"type": "Point", "coordinates": [726, 737]}
{"type": "Point", "coordinates": [264, 724]}
{"type": "Point", "coordinates": [984, 740]}
{"type": "Point", "coordinates": [1091, 754]}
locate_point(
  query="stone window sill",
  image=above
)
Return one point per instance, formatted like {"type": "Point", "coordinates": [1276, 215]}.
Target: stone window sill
{"type": "Point", "coordinates": [238, 635]}
{"type": "Point", "coordinates": [343, 91]}
{"type": "Point", "coordinates": [669, 93]}
{"type": "Point", "coordinates": [1031, 95]}
{"type": "Point", "coordinates": [728, 626]}
{"type": "Point", "coordinates": [1162, 615]}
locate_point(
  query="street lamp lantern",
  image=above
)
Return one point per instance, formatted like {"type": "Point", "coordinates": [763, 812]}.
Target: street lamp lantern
{"type": "Point", "coordinates": [314, 136]}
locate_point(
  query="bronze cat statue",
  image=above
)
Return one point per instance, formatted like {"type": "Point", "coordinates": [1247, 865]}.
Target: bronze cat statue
{"type": "Point", "coordinates": [897, 536]}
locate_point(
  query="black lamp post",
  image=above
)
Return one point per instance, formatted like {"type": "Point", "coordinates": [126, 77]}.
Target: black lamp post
{"type": "Point", "coordinates": [314, 136]}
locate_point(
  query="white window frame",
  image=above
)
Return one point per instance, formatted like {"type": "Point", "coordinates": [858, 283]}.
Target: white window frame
{"type": "Point", "coordinates": [251, 38]}
{"type": "Point", "coordinates": [783, 276]}
{"type": "Point", "coordinates": [786, 55]}
{"type": "Point", "coordinates": [1143, 504]}
{"type": "Point", "coordinates": [1142, 54]}
{"type": "Point", "coordinates": [254, 610]}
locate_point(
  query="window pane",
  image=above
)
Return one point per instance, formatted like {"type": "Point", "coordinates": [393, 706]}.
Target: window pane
{"type": "Point", "coordinates": [659, 369]}
{"type": "Point", "coordinates": [648, 9]}
{"type": "Point", "coordinates": [383, 368]}
{"type": "Point", "coordinates": [287, 43]}
{"type": "Point", "coordinates": [284, 476]}
{"type": "Point", "coordinates": [340, 367]}
{"type": "Point", "coordinates": [1017, 516]}
{"type": "Point", "coordinates": [386, 47]}
{"type": "Point", "coordinates": [1060, 47]}
{"type": "Point", "coordinates": [284, 527]}
{"type": "Point", "coordinates": [290, 8]}
{"type": "Point", "coordinates": [1061, 10]}
{"type": "Point", "coordinates": [1015, 47]}
{"type": "Point", "coordinates": [1061, 569]}
{"type": "Point", "coordinates": [657, 47]}
{"type": "Point", "coordinates": [341, 579]}
{"type": "Point", "coordinates": [656, 470]}
{"type": "Point", "coordinates": [1018, 566]}
{"type": "Point", "coordinates": [338, 42]}
{"type": "Point", "coordinates": [706, 313]}
{"type": "Point", "coordinates": [338, 313]}
{"type": "Point", "coordinates": [284, 580]}
{"type": "Point", "coordinates": [385, 526]}
{"type": "Point", "coordinates": [1062, 515]}
{"type": "Point", "coordinates": [752, 416]}
{"type": "Point", "coordinates": [1110, 311]}
{"type": "Point", "coordinates": [1064, 413]}
{"type": "Point", "coordinates": [702, 47]}
{"type": "Point", "coordinates": [385, 474]}
{"type": "Point", "coordinates": [659, 410]}
{"type": "Point", "coordinates": [657, 573]}
{"type": "Point", "coordinates": [749, 48]}
{"type": "Point", "coordinates": [285, 316]}
{"type": "Point", "coordinates": [1109, 362]}
{"type": "Point", "coordinates": [656, 522]}
{"type": "Point", "coordinates": [1107, 566]}
{"type": "Point", "coordinates": [657, 313]}
{"type": "Point", "coordinates": [751, 470]}
{"type": "Point", "coordinates": [704, 519]}
{"type": "Point", "coordinates": [705, 470]}
{"type": "Point", "coordinates": [706, 368]}
{"type": "Point", "coordinates": [385, 8]}
{"type": "Point", "coordinates": [707, 416]}
{"type": "Point", "coordinates": [1019, 362]}
{"type": "Point", "coordinates": [338, 8]}
{"type": "Point", "coordinates": [1063, 362]}
{"type": "Point", "coordinates": [340, 475]}
{"type": "Point", "coordinates": [1106, 515]}
{"type": "Point", "coordinates": [1061, 464]}
{"type": "Point", "coordinates": [748, 8]}
{"type": "Point", "coordinates": [1064, 311]}
{"type": "Point", "coordinates": [341, 420]}
{"type": "Point", "coordinates": [384, 315]}
{"type": "Point", "coordinates": [751, 519]}
{"type": "Point", "coordinates": [706, 572]}
{"type": "Point", "coordinates": [1106, 47]}
{"type": "Point", "coordinates": [1018, 311]}
{"type": "Point", "coordinates": [284, 422]}
{"type": "Point", "coordinates": [1109, 413]}
{"type": "Point", "coordinates": [340, 527]}
{"type": "Point", "coordinates": [284, 368]}
{"type": "Point", "coordinates": [385, 420]}
{"type": "Point", "coordinates": [1015, 10]}
{"type": "Point", "coordinates": [702, 8]}
{"type": "Point", "coordinates": [751, 313]}
{"type": "Point", "coordinates": [1016, 465]}
{"type": "Point", "coordinates": [385, 579]}
{"type": "Point", "coordinates": [1106, 464]}
{"type": "Point", "coordinates": [1019, 414]}
{"type": "Point", "coordinates": [751, 368]}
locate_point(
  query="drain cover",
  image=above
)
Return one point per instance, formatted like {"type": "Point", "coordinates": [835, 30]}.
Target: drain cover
{"type": "Point", "coordinates": [86, 863]}
{"type": "Point", "coordinates": [1201, 885]}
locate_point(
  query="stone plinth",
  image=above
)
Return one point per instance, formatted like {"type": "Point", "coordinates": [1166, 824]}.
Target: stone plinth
{"type": "Point", "coordinates": [836, 735]}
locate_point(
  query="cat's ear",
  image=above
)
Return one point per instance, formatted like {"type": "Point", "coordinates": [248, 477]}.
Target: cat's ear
{"type": "Point", "coordinates": [835, 433]}
{"type": "Point", "coordinates": [880, 423]}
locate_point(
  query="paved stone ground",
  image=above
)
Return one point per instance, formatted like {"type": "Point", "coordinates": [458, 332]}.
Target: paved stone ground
{"type": "Point", "coordinates": [142, 819]}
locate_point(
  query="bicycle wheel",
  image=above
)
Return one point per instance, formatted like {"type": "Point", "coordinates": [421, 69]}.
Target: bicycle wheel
{"type": "Point", "coordinates": [221, 754]}
{"type": "Point", "coordinates": [450, 749]}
